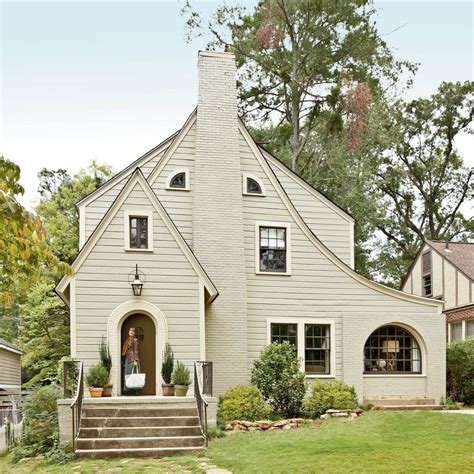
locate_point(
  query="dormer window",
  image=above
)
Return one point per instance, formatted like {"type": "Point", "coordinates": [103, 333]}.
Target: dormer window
{"type": "Point", "coordinates": [138, 230]}
{"type": "Point", "coordinates": [178, 180]}
{"type": "Point", "coordinates": [252, 186]}
{"type": "Point", "coordinates": [426, 274]}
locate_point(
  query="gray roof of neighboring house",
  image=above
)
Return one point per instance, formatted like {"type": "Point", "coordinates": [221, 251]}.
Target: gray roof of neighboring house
{"type": "Point", "coordinates": [460, 254]}
{"type": "Point", "coordinates": [9, 346]}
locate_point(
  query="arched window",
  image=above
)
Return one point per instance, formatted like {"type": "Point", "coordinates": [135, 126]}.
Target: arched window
{"type": "Point", "coordinates": [252, 185]}
{"type": "Point", "coordinates": [392, 350]}
{"type": "Point", "coordinates": [178, 180]}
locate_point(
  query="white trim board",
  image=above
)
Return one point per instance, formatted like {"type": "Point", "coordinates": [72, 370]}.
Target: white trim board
{"type": "Point", "coordinates": [187, 179]}
{"type": "Point", "coordinates": [11, 349]}
{"type": "Point", "coordinates": [318, 244]}
{"type": "Point", "coordinates": [137, 177]}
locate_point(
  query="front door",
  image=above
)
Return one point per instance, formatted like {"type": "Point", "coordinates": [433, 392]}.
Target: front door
{"type": "Point", "coordinates": [145, 331]}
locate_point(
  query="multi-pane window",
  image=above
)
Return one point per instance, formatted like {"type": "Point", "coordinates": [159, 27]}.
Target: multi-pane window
{"type": "Point", "coordinates": [178, 181]}
{"type": "Point", "coordinates": [391, 349]}
{"type": "Point", "coordinates": [470, 328]}
{"type": "Point", "coordinates": [456, 331]}
{"type": "Point", "coordinates": [138, 232]}
{"type": "Point", "coordinates": [253, 187]}
{"type": "Point", "coordinates": [273, 247]}
{"type": "Point", "coordinates": [426, 274]}
{"type": "Point", "coordinates": [281, 332]}
{"type": "Point", "coordinates": [317, 348]}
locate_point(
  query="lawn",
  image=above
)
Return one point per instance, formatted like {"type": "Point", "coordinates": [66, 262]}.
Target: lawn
{"type": "Point", "coordinates": [375, 442]}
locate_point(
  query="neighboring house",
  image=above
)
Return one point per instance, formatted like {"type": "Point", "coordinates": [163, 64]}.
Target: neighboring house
{"type": "Point", "coordinates": [10, 367]}
{"type": "Point", "coordinates": [445, 271]}
{"type": "Point", "coordinates": [236, 251]}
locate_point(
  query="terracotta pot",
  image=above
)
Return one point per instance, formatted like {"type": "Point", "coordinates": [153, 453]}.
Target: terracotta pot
{"type": "Point", "coordinates": [96, 391]}
{"type": "Point", "coordinates": [107, 390]}
{"type": "Point", "coordinates": [181, 390]}
{"type": "Point", "coordinates": [168, 389]}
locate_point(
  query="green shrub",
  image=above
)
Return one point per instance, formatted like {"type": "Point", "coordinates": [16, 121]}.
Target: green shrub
{"type": "Point", "coordinates": [329, 395]}
{"type": "Point", "coordinates": [277, 375]}
{"type": "Point", "coordinates": [181, 375]}
{"type": "Point", "coordinates": [460, 371]}
{"type": "Point", "coordinates": [97, 376]}
{"type": "Point", "coordinates": [40, 426]}
{"type": "Point", "coordinates": [167, 364]}
{"type": "Point", "coordinates": [242, 402]}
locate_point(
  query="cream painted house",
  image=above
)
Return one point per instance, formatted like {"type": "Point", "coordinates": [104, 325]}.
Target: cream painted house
{"type": "Point", "coordinates": [445, 271]}
{"type": "Point", "coordinates": [10, 368]}
{"type": "Point", "coordinates": [236, 251]}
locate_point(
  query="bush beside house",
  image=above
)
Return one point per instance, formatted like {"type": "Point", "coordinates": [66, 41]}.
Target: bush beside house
{"type": "Point", "coordinates": [335, 395]}
{"type": "Point", "coordinates": [460, 371]}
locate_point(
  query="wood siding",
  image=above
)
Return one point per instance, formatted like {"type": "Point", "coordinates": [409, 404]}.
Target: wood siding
{"type": "Point", "coordinates": [10, 368]}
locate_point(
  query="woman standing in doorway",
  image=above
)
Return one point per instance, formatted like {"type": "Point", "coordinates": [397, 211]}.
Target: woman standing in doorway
{"type": "Point", "coordinates": [131, 358]}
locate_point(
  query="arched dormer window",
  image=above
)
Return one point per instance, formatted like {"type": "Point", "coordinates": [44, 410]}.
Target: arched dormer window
{"type": "Point", "coordinates": [178, 180]}
{"type": "Point", "coordinates": [252, 186]}
{"type": "Point", "coordinates": [392, 350]}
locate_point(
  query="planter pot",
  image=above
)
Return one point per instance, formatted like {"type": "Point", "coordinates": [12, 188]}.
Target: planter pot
{"type": "Point", "coordinates": [107, 390]}
{"type": "Point", "coordinates": [96, 391]}
{"type": "Point", "coordinates": [168, 389]}
{"type": "Point", "coordinates": [181, 390]}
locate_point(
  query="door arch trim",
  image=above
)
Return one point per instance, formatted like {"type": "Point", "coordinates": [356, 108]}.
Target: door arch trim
{"type": "Point", "coordinates": [114, 328]}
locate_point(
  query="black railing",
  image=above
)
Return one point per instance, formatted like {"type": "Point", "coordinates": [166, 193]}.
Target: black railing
{"type": "Point", "coordinates": [206, 368]}
{"type": "Point", "coordinates": [76, 405]}
{"type": "Point", "coordinates": [199, 395]}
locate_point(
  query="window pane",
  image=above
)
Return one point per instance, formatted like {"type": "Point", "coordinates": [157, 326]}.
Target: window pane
{"type": "Point", "coordinates": [470, 328]}
{"type": "Point", "coordinates": [317, 348]}
{"type": "Point", "coordinates": [456, 331]}
{"type": "Point", "coordinates": [139, 232]}
{"type": "Point", "coordinates": [284, 332]}
{"type": "Point", "coordinates": [178, 181]}
{"type": "Point", "coordinates": [272, 249]}
{"type": "Point", "coordinates": [253, 187]}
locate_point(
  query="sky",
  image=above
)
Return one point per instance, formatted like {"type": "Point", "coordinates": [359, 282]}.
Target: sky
{"type": "Point", "coordinates": [109, 80]}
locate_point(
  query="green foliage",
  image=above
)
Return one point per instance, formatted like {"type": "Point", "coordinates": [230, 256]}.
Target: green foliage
{"type": "Point", "coordinates": [73, 373]}
{"type": "Point", "coordinates": [242, 402]}
{"type": "Point", "coordinates": [104, 353]}
{"type": "Point", "coordinates": [40, 426]}
{"type": "Point", "coordinates": [277, 375]}
{"type": "Point", "coordinates": [97, 376]}
{"type": "Point", "coordinates": [181, 375]}
{"type": "Point", "coordinates": [168, 363]}
{"type": "Point", "coordinates": [60, 454]}
{"type": "Point", "coordinates": [213, 433]}
{"type": "Point", "coordinates": [460, 370]}
{"type": "Point", "coordinates": [333, 394]}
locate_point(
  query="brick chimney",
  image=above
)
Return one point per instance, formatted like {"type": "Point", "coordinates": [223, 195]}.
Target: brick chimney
{"type": "Point", "coordinates": [218, 233]}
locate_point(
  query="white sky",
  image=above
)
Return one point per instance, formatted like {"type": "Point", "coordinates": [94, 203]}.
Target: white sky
{"type": "Point", "coordinates": [110, 80]}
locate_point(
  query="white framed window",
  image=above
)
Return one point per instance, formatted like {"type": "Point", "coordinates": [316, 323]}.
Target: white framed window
{"type": "Point", "coordinates": [138, 230]}
{"type": "Point", "coordinates": [179, 180]}
{"type": "Point", "coordinates": [252, 185]}
{"type": "Point", "coordinates": [272, 248]}
{"type": "Point", "coordinates": [313, 339]}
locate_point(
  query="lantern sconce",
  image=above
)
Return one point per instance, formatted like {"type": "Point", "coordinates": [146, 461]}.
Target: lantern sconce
{"type": "Point", "coordinates": [137, 280]}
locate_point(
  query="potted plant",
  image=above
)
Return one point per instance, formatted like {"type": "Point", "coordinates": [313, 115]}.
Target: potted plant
{"type": "Point", "coordinates": [181, 379]}
{"type": "Point", "coordinates": [166, 371]}
{"type": "Point", "coordinates": [107, 363]}
{"type": "Point", "coordinates": [96, 379]}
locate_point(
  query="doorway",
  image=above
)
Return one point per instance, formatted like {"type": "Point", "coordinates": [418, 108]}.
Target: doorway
{"type": "Point", "coordinates": [146, 334]}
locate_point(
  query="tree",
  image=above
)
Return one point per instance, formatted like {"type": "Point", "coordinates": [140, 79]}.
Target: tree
{"type": "Point", "coordinates": [24, 252]}
{"type": "Point", "coordinates": [422, 180]}
{"type": "Point", "coordinates": [298, 60]}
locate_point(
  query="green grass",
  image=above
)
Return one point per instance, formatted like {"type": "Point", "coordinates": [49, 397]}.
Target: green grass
{"type": "Point", "coordinates": [387, 442]}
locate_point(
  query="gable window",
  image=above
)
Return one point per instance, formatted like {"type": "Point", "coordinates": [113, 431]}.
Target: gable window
{"type": "Point", "coordinates": [426, 275]}
{"type": "Point", "coordinates": [178, 180]}
{"type": "Point", "coordinates": [312, 339]}
{"type": "Point", "coordinates": [138, 230]}
{"type": "Point", "coordinates": [272, 248]}
{"type": "Point", "coordinates": [252, 185]}
{"type": "Point", "coordinates": [392, 350]}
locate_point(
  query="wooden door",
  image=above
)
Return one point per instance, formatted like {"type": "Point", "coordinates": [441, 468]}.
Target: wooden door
{"type": "Point", "coordinates": [145, 330]}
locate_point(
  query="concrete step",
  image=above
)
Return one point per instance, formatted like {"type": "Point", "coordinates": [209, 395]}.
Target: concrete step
{"type": "Point", "coordinates": [139, 443]}
{"type": "Point", "coordinates": [134, 453]}
{"type": "Point", "coordinates": [88, 411]}
{"type": "Point", "coordinates": [140, 432]}
{"type": "Point", "coordinates": [400, 402]}
{"type": "Point", "coordinates": [131, 421]}
{"type": "Point", "coordinates": [412, 407]}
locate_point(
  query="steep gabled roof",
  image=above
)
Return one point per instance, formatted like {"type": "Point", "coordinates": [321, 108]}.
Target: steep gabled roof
{"type": "Point", "coordinates": [137, 177]}
{"type": "Point", "coordinates": [460, 254]}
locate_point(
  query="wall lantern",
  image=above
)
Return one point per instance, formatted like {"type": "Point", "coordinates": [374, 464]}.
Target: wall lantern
{"type": "Point", "coordinates": [137, 280]}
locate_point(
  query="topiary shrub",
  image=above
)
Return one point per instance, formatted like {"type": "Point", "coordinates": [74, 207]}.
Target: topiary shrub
{"type": "Point", "coordinates": [335, 395]}
{"type": "Point", "coordinates": [460, 371]}
{"type": "Point", "coordinates": [278, 377]}
{"type": "Point", "coordinates": [242, 402]}
{"type": "Point", "coordinates": [97, 376]}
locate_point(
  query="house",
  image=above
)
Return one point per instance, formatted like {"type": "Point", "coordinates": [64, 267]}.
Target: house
{"type": "Point", "coordinates": [10, 368]}
{"type": "Point", "coordinates": [445, 271]}
{"type": "Point", "coordinates": [235, 251]}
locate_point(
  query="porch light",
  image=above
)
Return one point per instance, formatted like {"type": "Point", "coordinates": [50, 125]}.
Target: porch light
{"type": "Point", "coordinates": [137, 284]}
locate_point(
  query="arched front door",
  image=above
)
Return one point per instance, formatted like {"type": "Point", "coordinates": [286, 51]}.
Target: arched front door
{"type": "Point", "coordinates": [145, 330]}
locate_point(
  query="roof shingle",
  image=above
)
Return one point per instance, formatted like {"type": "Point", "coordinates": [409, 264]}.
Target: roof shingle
{"type": "Point", "coordinates": [460, 254]}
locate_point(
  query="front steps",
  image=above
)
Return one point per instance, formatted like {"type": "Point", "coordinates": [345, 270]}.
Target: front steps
{"type": "Point", "coordinates": [405, 404]}
{"type": "Point", "coordinates": [139, 427]}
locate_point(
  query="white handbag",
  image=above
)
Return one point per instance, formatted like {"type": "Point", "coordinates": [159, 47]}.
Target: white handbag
{"type": "Point", "coordinates": [135, 380]}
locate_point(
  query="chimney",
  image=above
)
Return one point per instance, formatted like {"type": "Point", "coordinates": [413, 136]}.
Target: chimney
{"type": "Point", "coordinates": [218, 232]}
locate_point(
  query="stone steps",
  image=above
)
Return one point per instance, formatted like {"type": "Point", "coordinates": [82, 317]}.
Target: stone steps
{"type": "Point", "coordinates": [132, 428]}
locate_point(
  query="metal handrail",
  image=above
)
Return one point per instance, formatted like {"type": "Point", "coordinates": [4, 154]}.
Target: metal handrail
{"type": "Point", "coordinates": [76, 405]}
{"type": "Point", "coordinates": [201, 403]}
